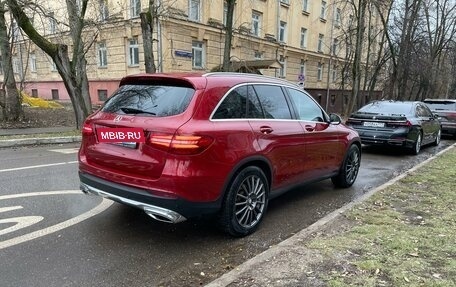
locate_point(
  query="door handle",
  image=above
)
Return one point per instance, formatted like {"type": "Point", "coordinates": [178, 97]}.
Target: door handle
{"type": "Point", "coordinates": [266, 130]}
{"type": "Point", "coordinates": [309, 128]}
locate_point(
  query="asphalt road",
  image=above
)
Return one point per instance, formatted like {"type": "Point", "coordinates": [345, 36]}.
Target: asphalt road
{"type": "Point", "coordinates": [53, 235]}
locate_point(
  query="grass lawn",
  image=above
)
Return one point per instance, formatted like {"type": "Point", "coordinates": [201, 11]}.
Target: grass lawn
{"type": "Point", "coordinates": [404, 235]}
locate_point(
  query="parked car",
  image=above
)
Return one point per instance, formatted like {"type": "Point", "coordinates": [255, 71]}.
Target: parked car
{"type": "Point", "coordinates": [218, 143]}
{"type": "Point", "coordinates": [396, 123]}
{"type": "Point", "coordinates": [445, 109]}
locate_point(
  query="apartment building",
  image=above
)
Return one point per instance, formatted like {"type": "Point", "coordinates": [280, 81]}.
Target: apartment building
{"type": "Point", "coordinates": [303, 41]}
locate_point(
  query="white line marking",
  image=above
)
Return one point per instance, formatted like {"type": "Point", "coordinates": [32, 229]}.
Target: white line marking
{"type": "Point", "coordinates": [38, 166]}
{"type": "Point", "coordinates": [20, 222]}
{"type": "Point", "coordinates": [10, 208]}
{"type": "Point", "coordinates": [65, 150]}
{"type": "Point", "coordinates": [51, 229]}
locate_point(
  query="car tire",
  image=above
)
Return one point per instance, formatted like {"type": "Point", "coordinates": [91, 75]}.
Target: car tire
{"type": "Point", "coordinates": [438, 138]}
{"type": "Point", "coordinates": [349, 169]}
{"type": "Point", "coordinates": [417, 145]}
{"type": "Point", "coordinates": [245, 203]}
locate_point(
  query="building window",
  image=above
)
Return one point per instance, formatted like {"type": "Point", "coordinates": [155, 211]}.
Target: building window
{"type": "Point", "coordinates": [133, 52]}
{"type": "Point", "coordinates": [303, 42]}
{"type": "Point", "coordinates": [305, 5]}
{"type": "Point", "coordinates": [258, 55]}
{"type": "Point", "coordinates": [256, 23]}
{"type": "Point", "coordinates": [320, 72]}
{"type": "Point", "coordinates": [194, 8]}
{"type": "Point", "coordinates": [52, 23]}
{"type": "Point", "coordinates": [35, 93]}
{"type": "Point", "coordinates": [283, 70]}
{"type": "Point", "coordinates": [135, 8]}
{"type": "Point", "coordinates": [104, 11]}
{"type": "Point", "coordinates": [15, 31]}
{"type": "Point", "coordinates": [53, 66]}
{"type": "Point", "coordinates": [287, 2]}
{"type": "Point", "coordinates": [16, 65]}
{"type": "Point", "coordinates": [323, 10]}
{"type": "Point", "coordinates": [55, 94]}
{"type": "Point", "coordinates": [335, 46]}
{"type": "Point", "coordinates": [102, 95]}
{"type": "Point", "coordinates": [197, 55]}
{"type": "Point", "coordinates": [225, 12]}
{"type": "Point", "coordinates": [282, 31]}
{"type": "Point", "coordinates": [338, 17]}
{"type": "Point", "coordinates": [333, 100]}
{"type": "Point", "coordinates": [302, 68]}
{"type": "Point", "coordinates": [33, 63]}
{"type": "Point", "coordinates": [102, 54]}
{"type": "Point", "coordinates": [334, 74]}
{"type": "Point", "coordinates": [320, 42]}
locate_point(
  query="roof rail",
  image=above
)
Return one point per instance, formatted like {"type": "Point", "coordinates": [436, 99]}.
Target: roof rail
{"type": "Point", "coordinates": [211, 74]}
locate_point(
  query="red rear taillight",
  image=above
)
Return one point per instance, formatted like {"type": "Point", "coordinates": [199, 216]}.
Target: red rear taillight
{"type": "Point", "coordinates": [87, 129]}
{"type": "Point", "coordinates": [400, 124]}
{"type": "Point", "coordinates": [451, 116]}
{"type": "Point", "coordinates": [180, 144]}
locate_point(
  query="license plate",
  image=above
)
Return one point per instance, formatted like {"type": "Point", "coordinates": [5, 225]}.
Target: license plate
{"type": "Point", "coordinates": [374, 124]}
{"type": "Point", "coordinates": [122, 136]}
{"type": "Point", "coordinates": [126, 144]}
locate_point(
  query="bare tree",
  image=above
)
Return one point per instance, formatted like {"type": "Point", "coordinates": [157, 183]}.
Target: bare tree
{"type": "Point", "coordinates": [148, 20]}
{"type": "Point", "coordinates": [228, 35]}
{"type": "Point", "coordinates": [10, 100]}
{"type": "Point", "coordinates": [72, 70]}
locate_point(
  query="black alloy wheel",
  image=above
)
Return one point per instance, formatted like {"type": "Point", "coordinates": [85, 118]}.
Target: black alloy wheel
{"type": "Point", "coordinates": [417, 145]}
{"type": "Point", "coordinates": [245, 203]}
{"type": "Point", "coordinates": [350, 168]}
{"type": "Point", "coordinates": [438, 137]}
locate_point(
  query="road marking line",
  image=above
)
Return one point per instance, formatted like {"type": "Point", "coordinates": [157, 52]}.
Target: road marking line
{"type": "Point", "coordinates": [38, 166]}
{"type": "Point", "coordinates": [20, 222]}
{"type": "Point", "coordinates": [10, 208]}
{"type": "Point", "coordinates": [65, 150]}
{"type": "Point", "coordinates": [54, 228]}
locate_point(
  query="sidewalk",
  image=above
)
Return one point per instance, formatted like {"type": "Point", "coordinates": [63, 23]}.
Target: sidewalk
{"type": "Point", "coordinates": [27, 136]}
{"type": "Point", "coordinates": [292, 263]}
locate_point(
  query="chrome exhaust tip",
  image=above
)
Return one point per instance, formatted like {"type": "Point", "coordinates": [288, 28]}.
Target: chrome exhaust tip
{"type": "Point", "coordinates": [155, 212]}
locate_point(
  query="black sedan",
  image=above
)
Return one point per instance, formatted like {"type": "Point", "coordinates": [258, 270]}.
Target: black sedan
{"type": "Point", "coordinates": [405, 124]}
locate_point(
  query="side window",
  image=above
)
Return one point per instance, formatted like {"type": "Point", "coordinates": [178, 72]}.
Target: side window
{"type": "Point", "coordinates": [234, 105]}
{"type": "Point", "coordinates": [254, 109]}
{"type": "Point", "coordinates": [307, 109]}
{"type": "Point", "coordinates": [426, 111]}
{"type": "Point", "coordinates": [273, 102]}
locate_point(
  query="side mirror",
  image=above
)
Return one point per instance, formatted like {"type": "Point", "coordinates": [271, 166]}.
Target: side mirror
{"type": "Point", "coordinates": [335, 119]}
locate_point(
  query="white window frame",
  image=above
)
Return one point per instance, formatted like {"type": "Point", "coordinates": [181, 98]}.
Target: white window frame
{"type": "Point", "coordinates": [52, 23]}
{"type": "Point", "coordinates": [303, 39]}
{"type": "Point", "coordinates": [338, 19]}
{"type": "Point", "coordinates": [104, 10]}
{"type": "Point", "coordinates": [302, 68]}
{"type": "Point", "coordinates": [286, 2]}
{"type": "Point", "coordinates": [135, 8]}
{"type": "Point", "coordinates": [256, 22]}
{"type": "Point", "coordinates": [194, 14]}
{"type": "Point", "coordinates": [33, 62]}
{"type": "Point", "coordinates": [334, 74]}
{"type": "Point", "coordinates": [53, 66]}
{"type": "Point", "coordinates": [198, 49]}
{"type": "Point", "coordinates": [323, 10]}
{"type": "Point", "coordinates": [320, 42]}
{"type": "Point", "coordinates": [16, 65]}
{"type": "Point", "coordinates": [102, 53]}
{"type": "Point", "coordinates": [225, 12]}
{"type": "Point", "coordinates": [283, 70]}
{"type": "Point", "coordinates": [335, 46]}
{"type": "Point", "coordinates": [320, 69]}
{"type": "Point", "coordinates": [305, 5]}
{"type": "Point", "coordinates": [133, 52]}
{"type": "Point", "coordinates": [282, 32]}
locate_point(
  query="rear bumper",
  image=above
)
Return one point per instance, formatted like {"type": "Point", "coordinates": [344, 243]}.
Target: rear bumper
{"type": "Point", "coordinates": [449, 128]}
{"type": "Point", "coordinates": [400, 137]}
{"type": "Point", "coordinates": [171, 210]}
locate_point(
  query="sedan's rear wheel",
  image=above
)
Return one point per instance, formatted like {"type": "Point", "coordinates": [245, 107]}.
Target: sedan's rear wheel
{"type": "Point", "coordinates": [245, 203]}
{"type": "Point", "coordinates": [349, 169]}
{"type": "Point", "coordinates": [438, 137]}
{"type": "Point", "coordinates": [417, 146]}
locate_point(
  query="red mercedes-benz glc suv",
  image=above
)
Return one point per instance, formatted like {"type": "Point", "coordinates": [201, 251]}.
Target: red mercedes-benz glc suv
{"type": "Point", "coordinates": [183, 145]}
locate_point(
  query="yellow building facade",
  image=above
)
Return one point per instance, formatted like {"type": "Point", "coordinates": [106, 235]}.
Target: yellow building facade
{"type": "Point", "coordinates": [303, 41]}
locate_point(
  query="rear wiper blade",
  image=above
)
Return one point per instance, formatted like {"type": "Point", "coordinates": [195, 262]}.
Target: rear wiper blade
{"type": "Point", "coordinates": [136, 111]}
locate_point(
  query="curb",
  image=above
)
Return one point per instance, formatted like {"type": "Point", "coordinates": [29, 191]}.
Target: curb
{"type": "Point", "coordinates": [38, 141]}
{"type": "Point", "coordinates": [228, 278]}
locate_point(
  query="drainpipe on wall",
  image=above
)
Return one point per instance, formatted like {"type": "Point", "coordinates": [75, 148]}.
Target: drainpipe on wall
{"type": "Point", "coordinates": [330, 58]}
{"type": "Point", "coordinates": [160, 38]}
{"type": "Point", "coordinates": [278, 33]}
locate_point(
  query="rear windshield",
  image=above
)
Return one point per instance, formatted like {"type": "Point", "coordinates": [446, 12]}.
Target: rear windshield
{"type": "Point", "coordinates": [387, 108]}
{"type": "Point", "coordinates": [441, 105]}
{"type": "Point", "coordinates": [149, 100]}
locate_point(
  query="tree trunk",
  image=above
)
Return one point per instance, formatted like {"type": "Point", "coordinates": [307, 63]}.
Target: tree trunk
{"type": "Point", "coordinates": [11, 104]}
{"type": "Point", "coordinates": [73, 72]}
{"type": "Point", "coordinates": [147, 27]}
{"type": "Point", "coordinates": [228, 36]}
